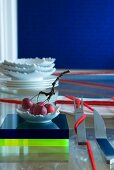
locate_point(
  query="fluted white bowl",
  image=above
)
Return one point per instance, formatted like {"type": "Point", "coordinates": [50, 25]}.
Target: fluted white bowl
{"type": "Point", "coordinates": [29, 68]}
{"type": "Point", "coordinates": [26, 115]}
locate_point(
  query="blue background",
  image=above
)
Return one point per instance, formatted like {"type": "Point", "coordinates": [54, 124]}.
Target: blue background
{"type": "Point", "coordinates": [78, 33]}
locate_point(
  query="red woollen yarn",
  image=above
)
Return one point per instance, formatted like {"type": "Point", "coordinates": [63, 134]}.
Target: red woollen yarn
{"type": "Point", "coordinates": [39, 109]}
{"type": "Point", "coordinates": [27, 103]}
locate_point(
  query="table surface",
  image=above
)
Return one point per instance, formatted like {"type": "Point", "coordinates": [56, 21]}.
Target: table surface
{"type": "Point", "coordinates": [98, 86]}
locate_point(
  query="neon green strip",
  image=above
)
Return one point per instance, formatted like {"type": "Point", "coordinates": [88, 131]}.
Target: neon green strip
{"type": "Point", "coordinates": [34, 142]}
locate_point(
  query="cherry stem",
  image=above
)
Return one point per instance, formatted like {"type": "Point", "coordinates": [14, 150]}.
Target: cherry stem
{"type": "Point", "coordinates": [49, 94]}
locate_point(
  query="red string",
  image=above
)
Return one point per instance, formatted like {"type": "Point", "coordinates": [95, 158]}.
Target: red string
{"type": "Point", "coordinates": [84, 83]}
{"type": "Point", "coordinates": [95, 103]}
{"type": "Point", "coordinates": [78, 102]}
{"type": "Point", "coordinates": [100, 103]}
{"type": "Point", "coordinates": [64, 102]}
{"type": "Point", "coordinates": [80, 120]}
{"type": "Point", "coordinates": [13, 101]}
{"type": "Point", "coordinates": [91, 156]}
{"type": "Point", "coordinates": [87, 72]}
{"type": "Point", "coordinates": [86, 105]}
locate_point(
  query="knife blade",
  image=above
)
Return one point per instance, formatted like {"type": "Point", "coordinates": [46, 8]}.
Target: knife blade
{"type": "Point", "coordinates": [81, 130]}
{"type": "Point", "coordinates": [101, 138]}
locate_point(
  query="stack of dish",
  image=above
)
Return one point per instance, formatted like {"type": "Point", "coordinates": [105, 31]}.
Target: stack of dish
{"type": "Point", "coordinates": [29, 76]}
{"type": "Point", "coordinates": [30, 88]}
{"type": "Point", "coordinates": [30, 68]}
{"type": "Point", "coordinates": [28, 84]}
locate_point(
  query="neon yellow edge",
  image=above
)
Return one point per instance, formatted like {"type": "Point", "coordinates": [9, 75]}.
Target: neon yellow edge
{"type": "Point", "coordinates": [34, 142]}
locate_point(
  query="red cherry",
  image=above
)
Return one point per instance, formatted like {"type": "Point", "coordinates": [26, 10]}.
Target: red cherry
{"type": "Point", "coordinates": [40, 109]}
{"type": "Point", "coordinates": [26, 103]}
{"type": "Point", "coordinates": [50, 108]}
{"type": "Point", "coordinates": [31, 108]}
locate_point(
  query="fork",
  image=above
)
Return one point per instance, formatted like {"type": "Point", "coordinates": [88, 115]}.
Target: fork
{"type": "Point", "coordinates": [80, 130]}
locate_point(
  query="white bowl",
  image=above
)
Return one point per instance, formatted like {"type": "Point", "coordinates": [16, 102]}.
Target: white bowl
{"type": "Point", "coordinates": [28, 68]}
{"type": "Point", "coordinates": [37, 118]}
{"type": "Point", "coordinates": [36, 75]}
{"type": "Point", "coordinates": [25, 68]}
{"type": "Point", "coordinates": [26, 62]}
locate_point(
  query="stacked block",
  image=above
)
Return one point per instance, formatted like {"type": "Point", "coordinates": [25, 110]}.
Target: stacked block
{"type": "Point", "coordinates": [21, 140]}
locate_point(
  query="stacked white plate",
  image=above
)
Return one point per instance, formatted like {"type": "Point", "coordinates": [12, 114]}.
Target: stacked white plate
{"type": "Point", "coordinates": [29, 88]}
{"type": "Point", "coordinates": [29, 68]}
{"type": "Point", "coordinates": [28, 84]}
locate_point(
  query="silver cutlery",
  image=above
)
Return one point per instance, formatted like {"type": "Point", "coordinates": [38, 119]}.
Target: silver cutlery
{"type": "Point", "coordinates": [101, 138]}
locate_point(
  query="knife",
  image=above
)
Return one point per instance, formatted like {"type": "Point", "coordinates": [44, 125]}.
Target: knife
{"type": "Point", "coordinates": [81, 130]}
{"type": "Point", "coordinates": [101, 138]}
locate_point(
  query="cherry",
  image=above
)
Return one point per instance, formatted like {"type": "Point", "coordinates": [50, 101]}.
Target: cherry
{"type": "Point", "coordinates": [50, 108]}
{"type": "Point", "coordinates": [39, 109]}
{"type": "Point", "coordinates": [27, 103]}
{"type": "Point", "coordinates": [32, 108]}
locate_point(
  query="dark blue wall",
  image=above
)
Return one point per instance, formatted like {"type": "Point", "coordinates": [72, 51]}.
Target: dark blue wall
{"type": "Point", "coordinates": [78, 33]}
